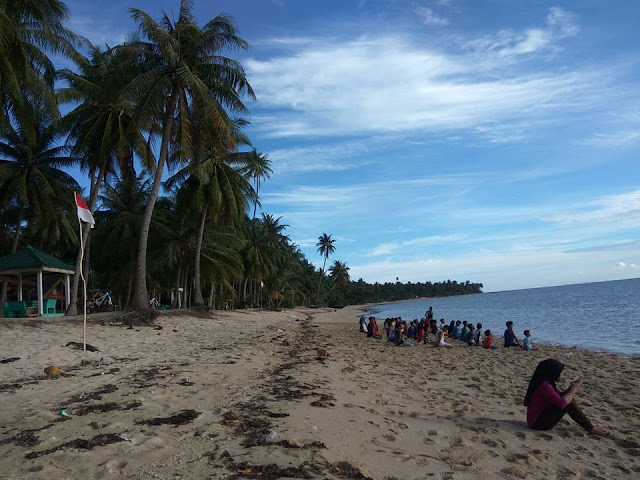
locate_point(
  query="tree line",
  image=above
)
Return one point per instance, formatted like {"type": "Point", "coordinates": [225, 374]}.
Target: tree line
{"type": "Point", "coordinates": [157, 125]}
{"type": "Point", "coordinates": [361, 292]}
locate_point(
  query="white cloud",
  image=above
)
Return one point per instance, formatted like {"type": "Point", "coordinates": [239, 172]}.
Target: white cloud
{"type": "Point", "coordinates": [98, 32]}
{"type": "Point", "coordinates": [413, 244]}
{"type": "Point", "coordinates": [623, 208]}
{"type": "Point", "coordinates": [627, 266]}
{"type": "Point", "coordinates": [562, 21]}
{"type": "Point", "coordinates": [394, 84]}
{"type": "Point", "coordinates": [560, 24]}
{"type": "Point", "coordinates": [429, 17]}
{"type": "Point", "coordinates": [617, 139]}
{"type": "Point", "coordinates": [328, 157]}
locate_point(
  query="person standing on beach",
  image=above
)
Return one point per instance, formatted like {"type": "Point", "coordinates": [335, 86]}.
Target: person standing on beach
{"type": "Point", "coordinates": [510, 339]}
{"type": "Point", "coordinates": [429, 314]}
{"type": "Point", "coordinates": [546, 404]}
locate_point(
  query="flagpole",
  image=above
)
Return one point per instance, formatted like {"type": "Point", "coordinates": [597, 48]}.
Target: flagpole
{"type": "Point", "coordinates": [84, 283]}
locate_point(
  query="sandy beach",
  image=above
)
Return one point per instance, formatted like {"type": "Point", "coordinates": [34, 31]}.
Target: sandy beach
{"type": "Point", "coordinates": [199, 395]}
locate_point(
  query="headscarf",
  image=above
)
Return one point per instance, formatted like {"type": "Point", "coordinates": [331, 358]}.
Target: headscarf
{"type": "Point", "coordinates": [547, 371]}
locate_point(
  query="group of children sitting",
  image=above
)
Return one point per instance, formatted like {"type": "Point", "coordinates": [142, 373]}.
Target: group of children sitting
{"type": "Point", "coordinates": [397, 331]}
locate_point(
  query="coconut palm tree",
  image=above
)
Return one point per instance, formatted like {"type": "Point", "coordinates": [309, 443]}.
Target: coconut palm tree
{"type": "Point", "coordinates": [100, 127]}
{"type": "Point", "coordinates": [219, 191]}
{"type": "Point", "coordinates": [115, 240]}
{"type": "Point", "coordinates": [31, 166]}
{"type": "Point", "coordinates": [182, 68]}
{"type": "Point", "coordinates": [325, 248]}
{"type": "Point", "coordinates": [258, 168]}
{"type": "Point", "coordinates": [339, 273]}
{"type": "Point", "coordinates": [29, 29]}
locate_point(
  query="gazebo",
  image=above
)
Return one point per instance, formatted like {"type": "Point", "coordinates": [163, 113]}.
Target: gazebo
{"type": "Point", "coordinates": [32, 262]}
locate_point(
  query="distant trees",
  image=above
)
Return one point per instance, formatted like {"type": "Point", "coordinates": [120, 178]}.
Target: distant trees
{"type": "Point", "coordinates": [361, 292]}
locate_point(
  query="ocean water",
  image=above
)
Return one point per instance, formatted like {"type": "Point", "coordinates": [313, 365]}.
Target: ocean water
{"type": "Point", "coordinates": [603, 316]}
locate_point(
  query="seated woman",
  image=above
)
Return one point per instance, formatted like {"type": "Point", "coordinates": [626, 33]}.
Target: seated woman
{"type": "Point", "coordinates": [363, 324]}
{"type": "Point", "coordinates": [372, 329]}
{"type": "Point", "coordinates": [546, 405]}
{"type": "Point", "coordinates": [442, 334]}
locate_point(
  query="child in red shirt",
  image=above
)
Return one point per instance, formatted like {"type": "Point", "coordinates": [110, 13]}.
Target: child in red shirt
{"type": "Point", "coordinates": [488, 341]}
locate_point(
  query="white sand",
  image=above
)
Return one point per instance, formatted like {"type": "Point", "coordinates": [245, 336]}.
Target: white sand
{"type": "Point", "coordinates": [368, 410]}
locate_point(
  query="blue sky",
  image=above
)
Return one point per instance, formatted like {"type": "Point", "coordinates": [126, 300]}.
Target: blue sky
{"type": "Point", "coordinates": [494, 141]}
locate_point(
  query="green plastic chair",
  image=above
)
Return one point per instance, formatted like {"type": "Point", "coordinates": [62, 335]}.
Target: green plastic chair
{"type": "Point", "coordinates": [49, 306]}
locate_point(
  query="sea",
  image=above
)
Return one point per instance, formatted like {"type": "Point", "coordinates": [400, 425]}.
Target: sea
{"type": "Point", "coordinates": [602, 316]}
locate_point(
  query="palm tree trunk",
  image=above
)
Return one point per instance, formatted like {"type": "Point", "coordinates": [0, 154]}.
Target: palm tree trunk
{"type": "Point", "coordinates": [324, 264]}
{"type": "Point", "coordinates": [255, 204]}
{"type": "Point", "coordinates": [126, 307]}
{"type": "Point", "coordinates": [72, 309]}
{"type": "Point", "coordinates": [212, 294]}
{"type": "Point", "coordinates": [197, 290]}
{"type": "Point", "coordinates": [244, 295]}
{"type": "Point", "coordinates": [16, 238]}
{"type": "Point", "coordinates": [175, 302]}
{"type": "Point", "coordinates": [140, 300]}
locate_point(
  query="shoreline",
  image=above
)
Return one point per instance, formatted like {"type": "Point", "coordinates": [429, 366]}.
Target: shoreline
{"type": "Point", "coordinates": [199, 397]}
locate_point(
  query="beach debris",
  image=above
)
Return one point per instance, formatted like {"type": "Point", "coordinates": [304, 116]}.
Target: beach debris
{"type": "Point", "coordinates": [279, 330]}
{"type": "Point", "coordinates": [53, 372]}
{"type": "Point", "coordinates": [10, 387]}
{"type": "Point", "coordinates": [322, 353]}
{"type": "Point", "coordinates": [106, 407]}
{"type": "Point", "coordinates": [64, 413]}
{"type": "Point", "coordinates": [271, 437]}
{"type": "Point", "coordinates": [79, 346]}
{"type": "Point", "coordinates": [273, 471]}
{"type": "Point", "coordinates": [95, 395]}
{"type": "Point", "coordinates": [81, 443]}
{"type": "Point", "coordinates": [180, 418]}
{"type": "Point", "coordinates": [26, 438]}
{"type": "Point", "coordinates": [185, 382]}
{"type": "Point", "coordinates": [10, 360]}
{"type": "Point", "coordinates": [140, 318]}
{"type": "Point", "coordinates": [158, 327]}
{"type": "Point", "coordinates": [346, 470]}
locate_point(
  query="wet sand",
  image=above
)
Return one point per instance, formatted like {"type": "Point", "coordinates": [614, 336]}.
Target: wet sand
{"type": "Point", "coordinates": [199, 398]}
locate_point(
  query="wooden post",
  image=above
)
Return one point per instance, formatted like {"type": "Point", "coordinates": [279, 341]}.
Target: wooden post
{"type": "Point", "coordinates": [19, 287]}
{"type": "Point", "coordinates": [67, 290]}
{"type": "Point", "coordinates": [39, 287]}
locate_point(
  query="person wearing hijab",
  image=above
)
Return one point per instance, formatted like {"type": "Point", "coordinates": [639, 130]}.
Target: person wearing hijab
{"type": "Point", "coordinates": [546, 405]}
{"type": "Point", "coordinates": [363, 324]}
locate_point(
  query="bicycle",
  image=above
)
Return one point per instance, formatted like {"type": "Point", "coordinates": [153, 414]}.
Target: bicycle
{"type": "Point", "coordinates": [101, 303]}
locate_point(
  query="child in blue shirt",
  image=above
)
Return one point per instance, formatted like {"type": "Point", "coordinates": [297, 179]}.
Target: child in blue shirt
{"type": "Point", "coordinates": [526, 341]}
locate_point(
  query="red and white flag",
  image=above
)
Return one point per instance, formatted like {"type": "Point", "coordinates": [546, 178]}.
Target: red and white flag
{"type": "Point", "coordinates": [84, 213]}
